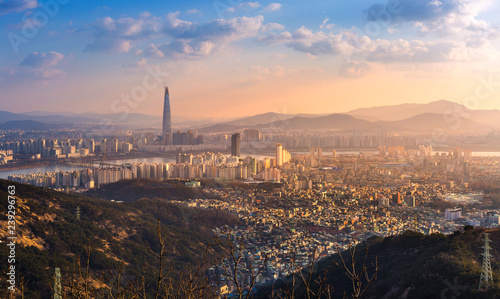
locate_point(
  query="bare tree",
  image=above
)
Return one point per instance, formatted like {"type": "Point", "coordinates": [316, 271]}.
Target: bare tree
{"type": "Point", "coordinates": [360, 277]}
{"type": "Point", "coordinates": [188, 284]}
{"type": "Point", "coordinates": [80, 284]}
{"type": "Point", "coordinates": [236, 267]}
{"type": "Point", "coordinates": [313, 288]}
{"type": "Point", "coordinates": [160, 256]}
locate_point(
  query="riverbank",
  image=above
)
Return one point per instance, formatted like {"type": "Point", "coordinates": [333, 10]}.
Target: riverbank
{"type": "Point", "coordinates": [16, 166]}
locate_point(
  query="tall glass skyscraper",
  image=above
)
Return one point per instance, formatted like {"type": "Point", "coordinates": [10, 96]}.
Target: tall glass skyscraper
{"type": "Point", "coordinates": [167, 120]}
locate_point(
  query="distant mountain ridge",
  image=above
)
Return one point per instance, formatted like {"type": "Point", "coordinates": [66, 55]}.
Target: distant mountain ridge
{"type": "Point", "coordinates": [90, 119]}
{"type": "Point", "coordinates": [406, 111]}
{"type": "Point", "coordinates": [26, 125]}
{"type": "Point", "coordinates": [426, 122]}
{"type": "Point", "coordinates": [407, 117]}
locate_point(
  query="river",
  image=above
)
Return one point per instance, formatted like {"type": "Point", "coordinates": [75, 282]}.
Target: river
{"type": "Point", "coordinates": [55, 168]}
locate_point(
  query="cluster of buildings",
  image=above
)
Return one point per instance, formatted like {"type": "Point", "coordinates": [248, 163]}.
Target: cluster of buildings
{"type": "Point", "coordinates": [66, 148]}
{"type": "Point", "coordinates": [284, 223]}
{"type": "Point", "coordinates": [6, 156]}
{"type": "Point", "coordinates": [326, 202]}
{"type": "Point", "coordinates": [187, 166]}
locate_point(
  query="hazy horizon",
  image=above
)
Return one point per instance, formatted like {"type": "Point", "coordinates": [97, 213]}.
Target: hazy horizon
{"type": "Point", "coordinates": [66, 113]}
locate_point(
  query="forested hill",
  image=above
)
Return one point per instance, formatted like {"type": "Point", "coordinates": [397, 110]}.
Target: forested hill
{"type": "Point", "coordinates": [411, 265]}
{"type": "Point", "coordinates": [132, 190]}
{"type": "Point", "coordinates": [50, 236]}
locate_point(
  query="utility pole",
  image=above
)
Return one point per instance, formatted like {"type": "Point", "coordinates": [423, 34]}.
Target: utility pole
{"type": "Point", "coordinates": [486, 279]}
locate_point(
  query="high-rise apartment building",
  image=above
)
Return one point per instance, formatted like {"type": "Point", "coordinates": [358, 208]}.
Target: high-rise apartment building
{"type": "Point", "coordinates": [235, 145]}
{"type": "Point", "coordinates": [279, 154]}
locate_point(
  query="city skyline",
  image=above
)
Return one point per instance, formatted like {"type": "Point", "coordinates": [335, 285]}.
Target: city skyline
{"type": "Point", "coordinates": [300, 133]}
{"type": "Point", "coordinates": [252, 54]}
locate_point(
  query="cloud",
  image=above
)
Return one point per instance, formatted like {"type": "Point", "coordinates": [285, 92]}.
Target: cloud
{"type": "Point", "coordinates": [118, 35]}
{"type": "Point", "coordinates": [357, 69]}
{"type": "Point", "coordinates": [111, 45]}
{"type": "Point", "coordinates": [243, 6]}
{"type": "Point", "coordinates": [193, 12]}
{"type": "Point", "coordinates": [42, 65]}
{"type": "Point", "coordinates": [232, 29]}
{"type": "Point", "coordinates": [412, 10]}
{"type": "Point", "coordinates": [325, 25]}
{"type": "Point", "coordinates": [46, 73]}
{"type": "Point", "coordinates": [445, 17]}
{"type": "Point", "coordinates": [197, 40]}
{"type": "Point", "coordinates": [349, 43]}
{"type": "Point", "coordinates": [179, 48]}
{"type": "Point", "coordinates": [272, 7]}
{"type": "Point", "coordinates": [318, 42]}
{"type": "Point", "coordinates": [183, 37]}
{"type": "Point", "coordinates": [36, 59]}
{"type": "Point", "coordinates": [274, 71]}
{"type": "Point", "coordinates": [453, 24]}
{"type": "Point", "coordinates": [135, 65]}
{"type": "Point", "coordinates": [11, 6]}
{"type": "Point", "coordinates": [151, 51]}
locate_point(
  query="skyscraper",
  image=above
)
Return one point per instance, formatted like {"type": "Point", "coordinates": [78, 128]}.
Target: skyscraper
{"type": "Point", "coordinates": [167, 120]}
{"type": "Point", "coordinates": [235, 145]}
{"type": "Point", "coordinates": [279, 154]}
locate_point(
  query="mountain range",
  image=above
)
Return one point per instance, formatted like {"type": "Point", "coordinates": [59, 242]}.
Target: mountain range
{"type": "Point", "coordinates": [89, 120]}
{"type": "Point", "coordinates": [446, 115]}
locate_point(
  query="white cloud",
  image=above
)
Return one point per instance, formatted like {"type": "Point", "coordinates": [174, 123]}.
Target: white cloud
{"type": "Point", "coordinates": [457, 18]}
{"type": "Point", "coordinates": [151, 51]}
{"type": "Point", "coordinates": [272, 7]}
{"type": "Point", "coordinates": [197, 40]}
{"type": "Point", "coordinates": [349, 43]}
{"type": "Point", "coordinates": [182, 37]}
{"type": "Point", "coordinates": [243, 6]}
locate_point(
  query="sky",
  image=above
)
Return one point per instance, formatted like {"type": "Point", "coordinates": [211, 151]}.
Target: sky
{"type": "Point", "coordinates": [231, 58]}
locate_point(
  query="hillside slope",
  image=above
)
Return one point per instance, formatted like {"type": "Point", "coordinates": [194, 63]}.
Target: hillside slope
{"type": "Point", "coordinates": [49, 235]}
